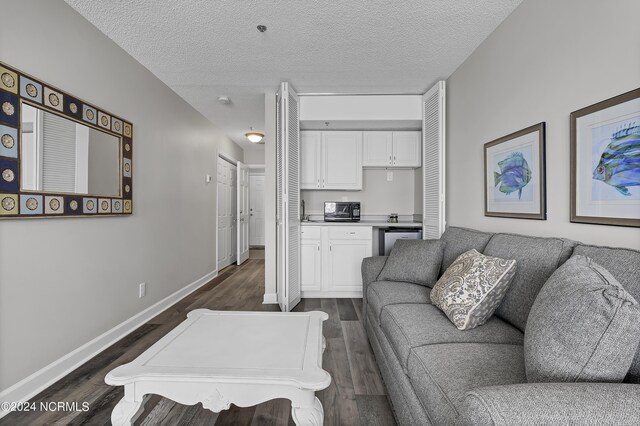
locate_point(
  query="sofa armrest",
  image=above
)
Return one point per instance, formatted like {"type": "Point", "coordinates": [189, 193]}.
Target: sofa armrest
{"type": "Point", "coordinates": [371, 267]}
{"type": "Point", "coordinates": [553, 403]}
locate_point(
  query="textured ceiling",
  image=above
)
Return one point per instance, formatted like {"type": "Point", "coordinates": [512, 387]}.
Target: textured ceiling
{"type": "Point", "coordinates": [204, 49]}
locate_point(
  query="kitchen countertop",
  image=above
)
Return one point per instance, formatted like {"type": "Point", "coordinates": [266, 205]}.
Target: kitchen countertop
{"type": "Point", "coordinates": [373, 223]}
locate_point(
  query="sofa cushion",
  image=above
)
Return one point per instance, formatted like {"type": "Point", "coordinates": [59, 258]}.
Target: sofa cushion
{"type": "Point", "coordinates": [583, 327]}
{"type": "Point", "coordinates": [460, 240]}
{"type": "Point", "coordinates": [410, 326]}
{"type": "Point", "coordinates": [471, 288]}
{"type": "Point", "coordinates": [414, 261]}
{"type": "Point", "coordinates": [383, 293]}
{"type": "Point", "coordinates": [441, 375]}
{"type": "Point", "coordinates": [624, 265]}
{"type": "Point", "coordinates": [537, 259]}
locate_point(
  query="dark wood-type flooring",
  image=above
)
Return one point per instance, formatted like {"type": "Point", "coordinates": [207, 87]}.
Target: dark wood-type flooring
{"type": "Point", "coordinates": [356, 395]}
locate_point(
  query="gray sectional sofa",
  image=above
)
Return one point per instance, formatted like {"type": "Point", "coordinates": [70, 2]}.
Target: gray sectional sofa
{"type": "Point", "coordinates": [437, 374]}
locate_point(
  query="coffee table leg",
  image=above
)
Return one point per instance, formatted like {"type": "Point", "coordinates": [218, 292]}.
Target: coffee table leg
{"type": "Point", "coordinates": [312, 415]}
{"type": "Point", "coordinates": [126, 412]}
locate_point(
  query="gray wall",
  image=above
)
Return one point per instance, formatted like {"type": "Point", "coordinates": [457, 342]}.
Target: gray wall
{"type": "Point", "coordinates": [254, 156]}
{"type": "Point", "coordinates": [378, 197]}
{"type": "Point", "coordinates": [64, 282]}
{"type": "Point", "coordinates": [547, 59]}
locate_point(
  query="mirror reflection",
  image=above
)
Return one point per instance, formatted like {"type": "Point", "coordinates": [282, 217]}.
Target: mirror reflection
{"type": "Point", "coordinates": [62, 156]}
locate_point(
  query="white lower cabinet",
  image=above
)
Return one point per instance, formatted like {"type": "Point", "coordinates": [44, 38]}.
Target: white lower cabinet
{"type": "Point", "coordinates": [331, 259]}
{"type": "Point", "coordinates": [310, 259]}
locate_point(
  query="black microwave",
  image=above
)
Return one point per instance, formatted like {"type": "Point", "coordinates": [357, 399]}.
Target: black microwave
{"type": "Point", "coordinates": [336, 211]}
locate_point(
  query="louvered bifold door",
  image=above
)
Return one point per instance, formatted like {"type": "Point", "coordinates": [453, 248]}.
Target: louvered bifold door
{"type": "Point", "coordinates": [280, 230]}
{"type": "Point", "coordinates": [292, 177]}
{"type": "Point", "coordinates": [433, 162]}
{"type": "Point", "coordinates": [289, 184]}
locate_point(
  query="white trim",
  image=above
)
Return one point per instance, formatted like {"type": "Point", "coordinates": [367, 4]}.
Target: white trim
{"type": "Point", "coordinates": [45, 377]}
{"type": "Point", "coordinates": [332, 294]}
{"type": "Point", "coordinates": [270, 298]}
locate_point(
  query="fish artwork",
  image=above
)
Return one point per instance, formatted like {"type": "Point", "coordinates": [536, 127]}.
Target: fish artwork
{"type": "Point", "coordinates": [514, 174]}
{"type": "Point", "coordinates": [619, 165]}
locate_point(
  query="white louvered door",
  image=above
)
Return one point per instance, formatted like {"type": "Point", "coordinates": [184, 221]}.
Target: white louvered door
{"type": "Point", "coordinates": [288, 210]}
{"type": "Point", "coordinates": [433, 164]}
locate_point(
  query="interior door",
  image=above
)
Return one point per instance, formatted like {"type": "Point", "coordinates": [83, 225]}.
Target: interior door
{"type": "Point", "coordinates": [232, 205]}
{"type": "Point", "coordinates": [242, 216]}
{"type": "Point", "coordinates": [224, 220]}
{"type": "Point", "coordinates": [256, 210]}
{"type": "Point", "coordinates": [433, 162]}
{"type": "Point", "coordinates": [288, 213]}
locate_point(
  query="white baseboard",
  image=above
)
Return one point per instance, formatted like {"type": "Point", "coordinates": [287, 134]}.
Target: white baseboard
{"type": "Point", "coordinates": [270, 298]}
{"type": "Point", "coordinates": [41, 379]}
{"type": "Point", "coordinates": [332, 294]}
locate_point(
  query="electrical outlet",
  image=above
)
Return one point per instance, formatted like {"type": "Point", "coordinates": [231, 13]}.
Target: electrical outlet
{"type": "Point", "coordinates": [389, 176]}
{"type": "Point", "coordinates": [207, 179]}
{"type": "Point", "coordinates": [345, 198]}
{"type": "Point", "coordinates": [142, 290]}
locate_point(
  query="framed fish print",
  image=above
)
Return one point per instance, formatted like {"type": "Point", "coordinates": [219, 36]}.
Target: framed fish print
{"type": "Point", "coordinates": [605, 162]}
{"type": "Point", "coordinates": [514, 175]}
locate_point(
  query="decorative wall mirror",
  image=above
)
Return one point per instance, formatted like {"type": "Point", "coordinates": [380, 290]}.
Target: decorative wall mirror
{"type": "Point", "coordinates": [60, 156]}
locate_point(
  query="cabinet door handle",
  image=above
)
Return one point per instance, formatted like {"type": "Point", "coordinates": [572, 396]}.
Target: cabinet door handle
{"type": "Point", "coordinates": [318, 246]}
{"type": "Point", "coordinates": [389, 159]}
{"type": "Point", "coordinates": [323, 182]}
{"type": "Point", "coordinates": [352, 233]}
{"type": "Point", "coordinates": [318, 183]}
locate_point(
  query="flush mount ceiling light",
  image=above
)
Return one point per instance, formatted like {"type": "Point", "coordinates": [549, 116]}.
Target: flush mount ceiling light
{"type": "Point", "coordinates": [254, 137]}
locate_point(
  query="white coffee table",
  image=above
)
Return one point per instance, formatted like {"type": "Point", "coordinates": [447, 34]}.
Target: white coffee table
{"type": "Point", "coordinates": [221, 357]}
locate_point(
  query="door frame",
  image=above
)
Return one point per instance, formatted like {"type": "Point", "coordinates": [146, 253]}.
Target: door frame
{"type": "Point", "coordinates": [233, 161]}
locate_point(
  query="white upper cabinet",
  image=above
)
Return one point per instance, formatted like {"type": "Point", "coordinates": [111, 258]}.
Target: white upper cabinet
{"type": "Point", "coordinates": [342, 160]}
{"type": "Point", "coordinates": [389, 149]}
{"type": "Point", "coordinates": [377, 149]}
{"type": "Point", "coordinates": [331, 160]}
{"type": "Point", "coordinates": [310, 160]}
{"type": "Point", "coordinates": [406, 149]}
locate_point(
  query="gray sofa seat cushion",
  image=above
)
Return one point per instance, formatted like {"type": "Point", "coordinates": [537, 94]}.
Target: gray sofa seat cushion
{"type": "Point", "coordinates": [442, 375]}
{"type": "Point", "coordinates": [460, 240]}
{"type": "Point", "coordinates": [624, 265]}
{"type": "Point", "coordinates": [553, 404]}
{"type": "Point", "coordinates": [414, 261]}
{"type": "Point", "coordinates": [537, 259]}
{"type": "Point", "coordinates": [383, 293]}
{"type": "Point", "coordinates": [410, 326]}
{"type": "Point", "coordinates": [583, 326]}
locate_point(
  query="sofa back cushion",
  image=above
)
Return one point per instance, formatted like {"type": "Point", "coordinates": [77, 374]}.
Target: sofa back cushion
{"type": "Point", "coordinates": [461, 240]}
{"type": "Point", "coordinates": [414, 261]}
{"type": "Point", "coordinates": [624, 265]}
{"type": "Point", "coordinates": [583, 326]}
{"type": "Point", "coordinates": [537, 259]}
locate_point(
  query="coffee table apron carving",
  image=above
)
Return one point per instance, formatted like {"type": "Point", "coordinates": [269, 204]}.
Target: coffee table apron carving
{"type": "Point", "coordinates": [221, 357]}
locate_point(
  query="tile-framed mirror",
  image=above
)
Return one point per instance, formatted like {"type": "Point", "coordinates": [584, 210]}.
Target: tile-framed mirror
{"type": "Point", "coordinates": [59, 155]}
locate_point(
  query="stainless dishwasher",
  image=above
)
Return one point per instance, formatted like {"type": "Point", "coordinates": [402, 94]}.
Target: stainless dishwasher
{"type": "Point", "coordinates": [388, 237]}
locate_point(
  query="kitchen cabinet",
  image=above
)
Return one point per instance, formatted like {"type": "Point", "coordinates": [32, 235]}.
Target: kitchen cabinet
{"type": "Point", "coordinates": [310, 160]}
{"type": "Point", "coordinates": [331, 259]}
{"type": "Point", "coordinates": [331, 160]}
{"type": "Point", "coordinates": [310, 258]}
{"type": "Point", "coordinates": [397, 149]}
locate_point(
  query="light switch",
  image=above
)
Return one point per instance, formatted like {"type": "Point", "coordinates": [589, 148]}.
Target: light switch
{"type": "Point", "coordinates": [207, 179]}
{"type": "Point", "coordinates": [389, 176]}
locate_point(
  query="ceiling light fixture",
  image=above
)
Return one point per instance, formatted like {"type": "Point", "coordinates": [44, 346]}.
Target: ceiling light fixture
{"type": "Point", "coordinates": [254, 137]}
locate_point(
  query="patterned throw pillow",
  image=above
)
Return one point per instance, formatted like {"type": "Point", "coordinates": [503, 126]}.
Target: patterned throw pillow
{"type": "Point", "coordinates": [472, 288]}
